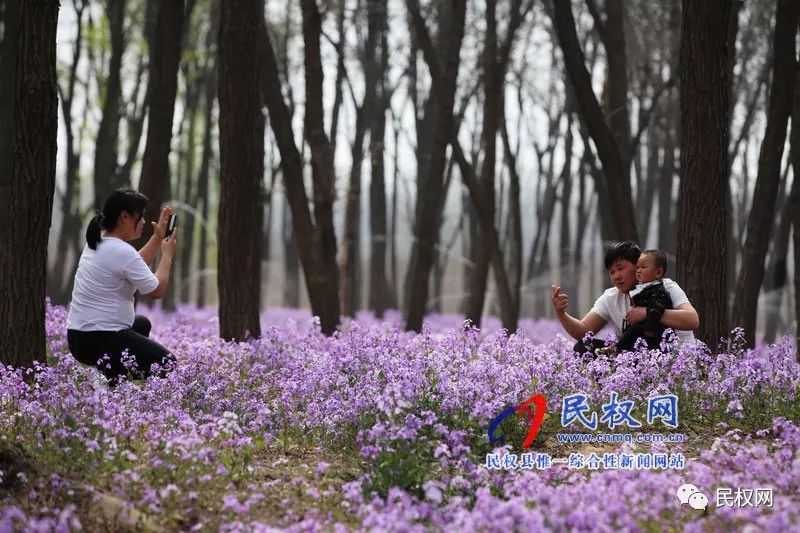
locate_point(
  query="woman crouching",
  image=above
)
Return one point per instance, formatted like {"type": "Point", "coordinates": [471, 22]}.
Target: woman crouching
{"type": "Point", "coordinates": [101, 324]}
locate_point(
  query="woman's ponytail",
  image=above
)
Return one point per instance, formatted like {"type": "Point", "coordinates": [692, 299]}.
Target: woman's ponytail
{"type": "Point", "coordinates": [93, 231]}
{"type": "Point", "coordinates": [119, 201]}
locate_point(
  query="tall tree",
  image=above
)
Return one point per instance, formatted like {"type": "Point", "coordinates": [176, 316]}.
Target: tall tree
{"type": "Point", "coordinates": [703, 209]}
{"type": "Point", "coordinates": [492, 81]}
{"type": "Point", "coordinates": [315, 240]}
{"type": "Point", "coordinates": [241, 144]}
{"type": "Point", "coordinates": [322, 172]}
{"type": "Point", "coordinates": [29, 111]}
{"type": "Point", "coordinates": [105, 154]}
{"type": "Point", "coordinates": [794, 204]}
{"type": "Point", "coordinates": [759, 227]}
{"type": "Point", "coordinates": [69, 236]}
{"type": "Point", "coordinates": [165, 54]}
{"type": "Point", "coordinates": [615, 162]}
{"type": "Point", "coordinates": [443, 67]}
{"type": "Point", "coordinates": [377, 58]}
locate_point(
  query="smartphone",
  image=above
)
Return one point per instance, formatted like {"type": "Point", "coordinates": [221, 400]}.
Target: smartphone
{"type": "Point", "coordinates": [173, 219]}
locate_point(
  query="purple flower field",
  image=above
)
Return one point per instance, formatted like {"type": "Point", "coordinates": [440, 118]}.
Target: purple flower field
{"type": "Point", "coordinates": [380, 429]}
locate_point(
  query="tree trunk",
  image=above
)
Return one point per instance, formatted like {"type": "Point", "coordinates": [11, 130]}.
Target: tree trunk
{"type": "Point", "coordinates": [105, 154]}
{"type": "Point", "coordinates": [567, 272]}
{"type": "Point", "coordinates": [312, 241]}
{"type": "Point", "coordinates": [615, 170]}
{"type": "Point", "coordinates": [666, 215]}
{"type": "Point", "coordinates": [203, 178]}
{"type": "Point", "coordinates": [165, 53]}
{"type": "Point", "coordinates": [241, 143]}
{"type": "Point", "coordinates": [291, 277]}
{"type": "Point", "coordinates": [351, 257]}
{"type": "Point", "coordinates": [322, 171]}
{"type": "Point", "coordinates": [775, 279]}
{"type": "Point", "coordinates": [443, 87]}
{"type": "Point", "coordinates": [380, 296]}
{"type": "Point", "coordinates": [514, 250]}
{"type": "Point", "coordinates": [192, 102]}
{"type": "Point", "coordinates": [759, 227]}
{"type": "Point", "coordinates": [340, 74]}
{"type": "Point", "coordinates": [29, 104]}
{"type": "Point", "coordinates": [480, 200]}
{"type": "Point", "coordinates": [616, 91]}
{"type": "Point", "coordinates": [703, 211]}
{"type": "Point", "coordinates": [492, 83]}
{"type": "Point", "coordinates": [794, 205]}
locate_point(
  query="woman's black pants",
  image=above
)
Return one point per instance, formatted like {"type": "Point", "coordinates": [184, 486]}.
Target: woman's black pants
{"type": "Point", "coordinates": [91, 347]}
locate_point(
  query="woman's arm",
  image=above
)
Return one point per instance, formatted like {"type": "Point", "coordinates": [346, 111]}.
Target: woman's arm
{"type": "Point", "coordinates": [148, 251]}
{"type": "Point", "coordinates": [168, 248]}
{"type": "Point", "coordinates": [684, 317]}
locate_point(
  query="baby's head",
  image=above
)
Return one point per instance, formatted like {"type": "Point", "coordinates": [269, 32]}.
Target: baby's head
{"type": "Point", "coordinates": [652, 265]}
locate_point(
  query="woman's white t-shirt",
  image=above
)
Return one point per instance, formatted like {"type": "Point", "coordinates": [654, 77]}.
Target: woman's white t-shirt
{"type": "Point", "coordinates": [613, 306]}
{"type": "Point", "coordinates": [105, 282]}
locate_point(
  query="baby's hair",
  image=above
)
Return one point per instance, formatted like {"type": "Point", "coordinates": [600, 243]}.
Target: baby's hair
{"type": "Point", "coordinates": [660, 257]}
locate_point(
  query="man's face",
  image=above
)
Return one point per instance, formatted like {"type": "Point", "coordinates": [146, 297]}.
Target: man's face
{"type": "Point", "coordinates": [622, 274]}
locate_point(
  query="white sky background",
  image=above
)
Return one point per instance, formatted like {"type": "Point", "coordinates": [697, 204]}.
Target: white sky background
{"type": "Point", "coordinates": [531, 121]}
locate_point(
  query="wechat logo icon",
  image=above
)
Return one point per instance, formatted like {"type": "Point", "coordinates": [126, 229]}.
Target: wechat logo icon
{"type": "Point", "coordinates": [690, 494]}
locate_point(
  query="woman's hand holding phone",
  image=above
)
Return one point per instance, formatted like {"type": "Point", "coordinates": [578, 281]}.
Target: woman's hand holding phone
{"type": "Point", "coordinates": [170, 244]}
{"type": "Point", "coordinates": [160, 227]}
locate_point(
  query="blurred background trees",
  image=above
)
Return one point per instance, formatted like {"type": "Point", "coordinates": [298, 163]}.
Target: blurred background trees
{"type": "Point", "coordinates": [449, 156]}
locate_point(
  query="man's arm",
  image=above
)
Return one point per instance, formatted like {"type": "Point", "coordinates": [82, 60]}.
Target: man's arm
{"type": "Point", "coordinates": [574, 327]}
{"type": "Point", "coordinates": [684, 317]}
{"type": "Point", "coordinates": [577, 329]}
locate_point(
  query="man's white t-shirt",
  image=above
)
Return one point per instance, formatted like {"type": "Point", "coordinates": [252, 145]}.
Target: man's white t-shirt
{"type": "Point", "coordinates": [105, 282]}
{"type": "Point", "coordinates": [613, 306]}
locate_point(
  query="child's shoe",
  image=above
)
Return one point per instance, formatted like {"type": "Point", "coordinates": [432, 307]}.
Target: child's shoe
{"type": "Point", "coordinates": [608, 351]}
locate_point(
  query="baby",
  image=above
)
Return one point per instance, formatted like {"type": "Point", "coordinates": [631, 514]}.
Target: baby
{"type": "Point", "coordinates": [650, 294]}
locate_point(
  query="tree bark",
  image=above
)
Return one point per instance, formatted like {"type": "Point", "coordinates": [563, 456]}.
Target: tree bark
{"type": "Point", "coordinates": [241, 142]}
{"type": "Point", "coordinates": [444, 74]}
{"type": "Point", "coordinates": [759, 227]}
{"type": "Point", "coordinates": [29, 109]}
{"type": "Point", "coordinates": [165, 53]}
{"type": "Point", "coordinates": [703, 211]}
